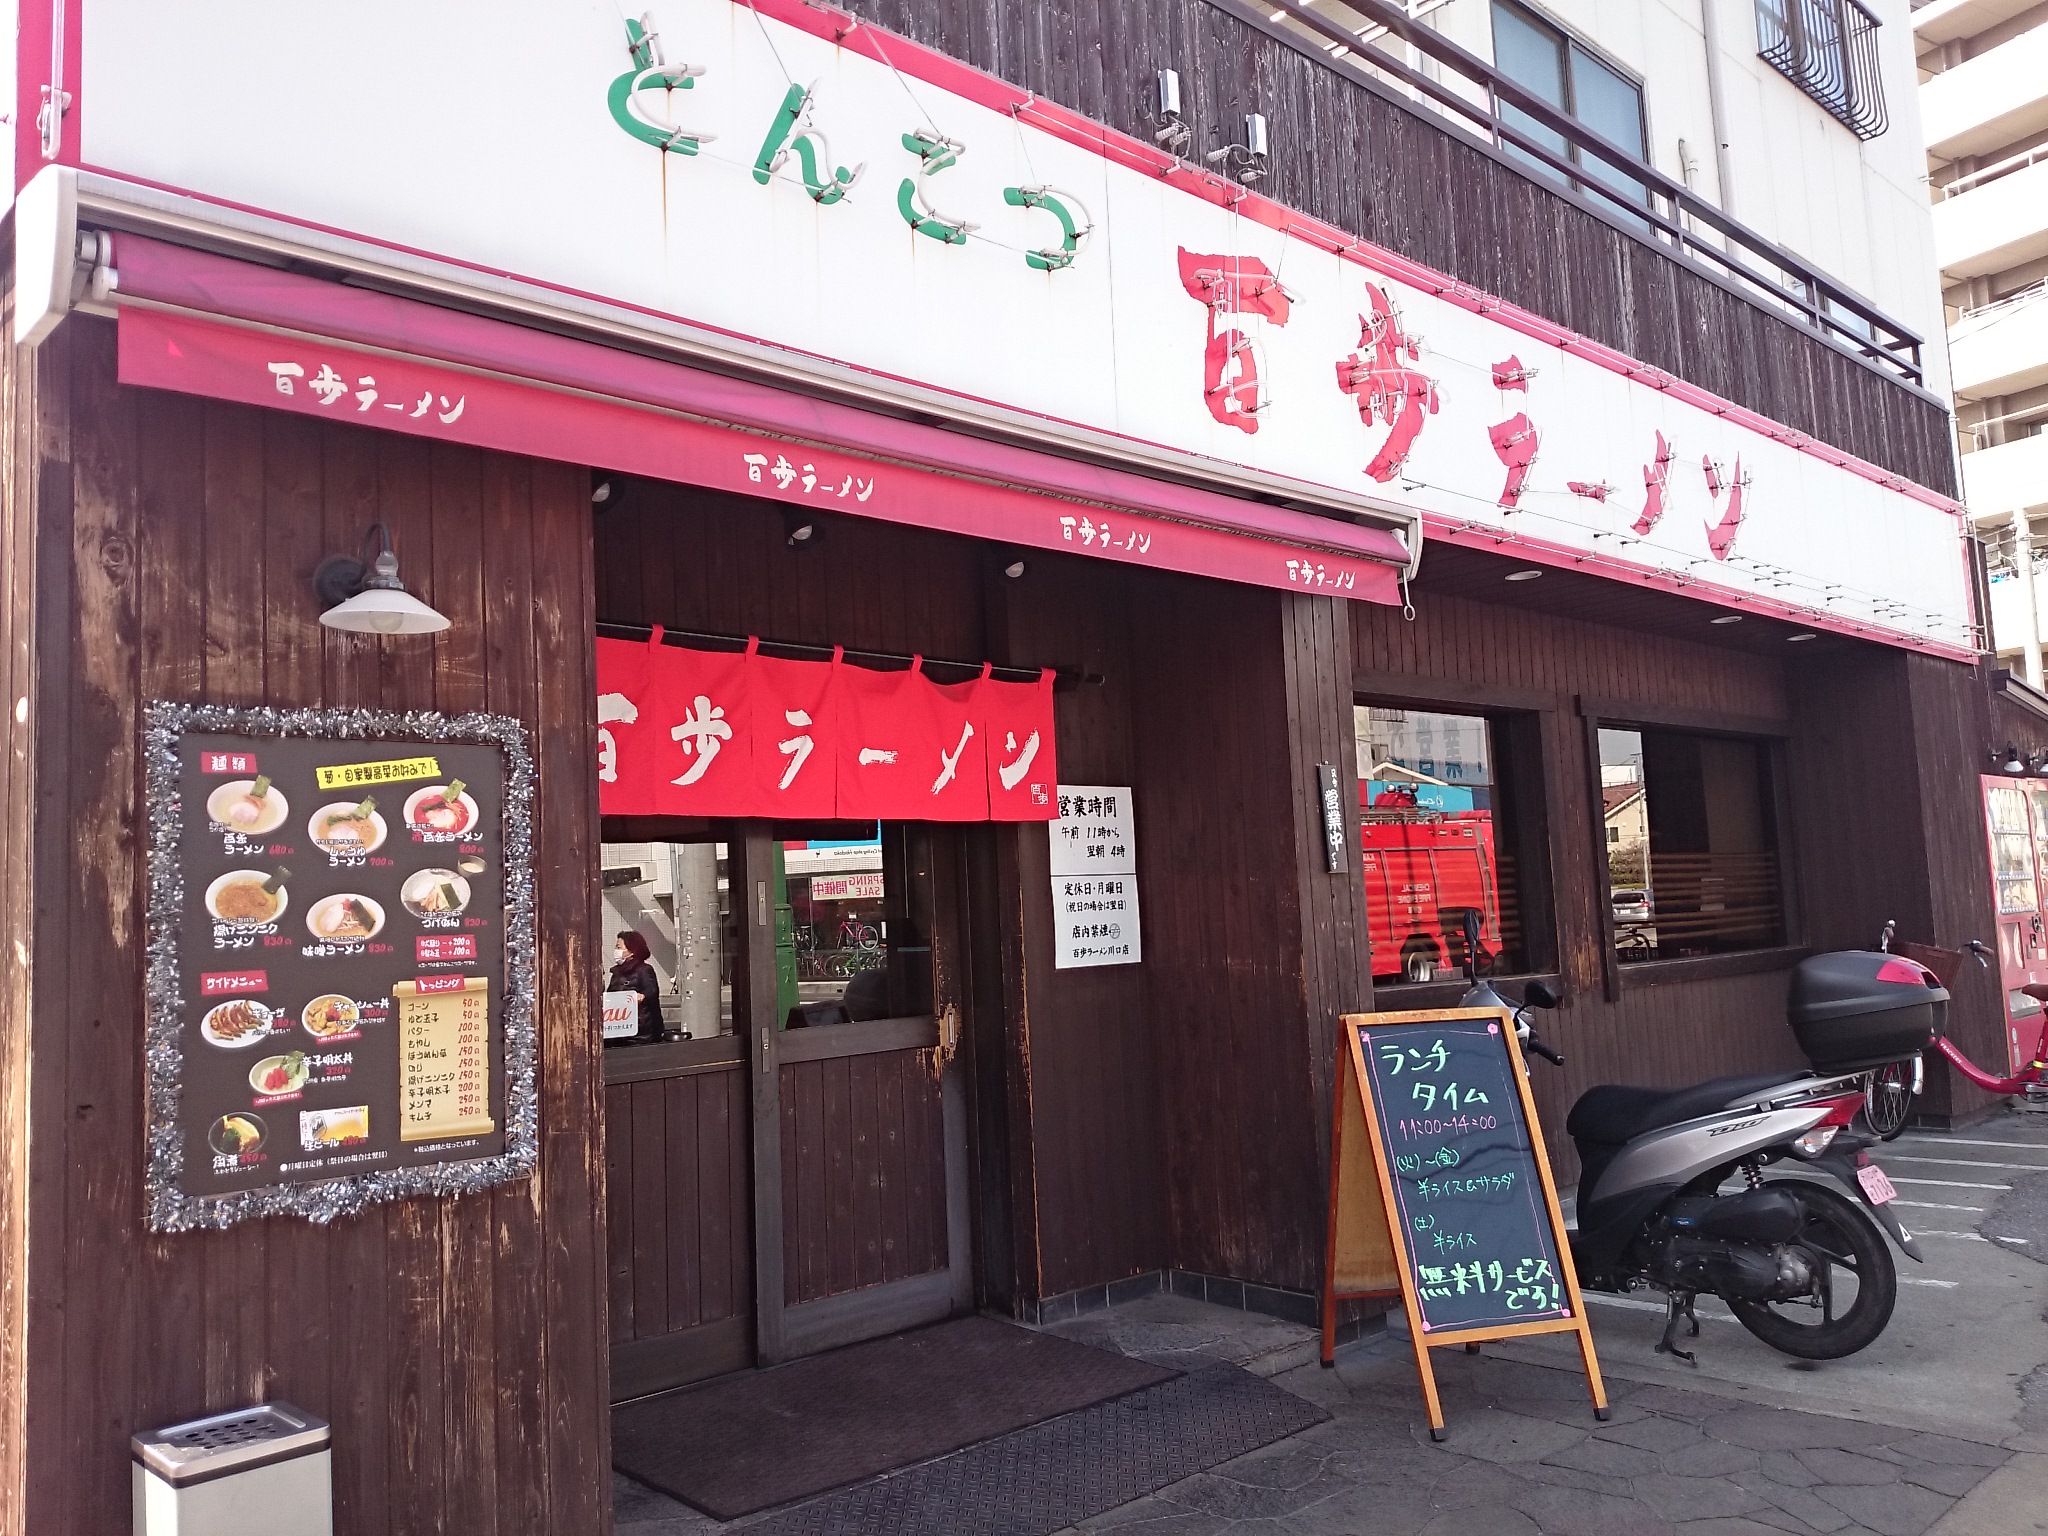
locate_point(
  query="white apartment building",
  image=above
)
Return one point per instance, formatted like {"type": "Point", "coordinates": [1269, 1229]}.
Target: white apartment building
{"type": "Point", "coordinates": [1984, 105]}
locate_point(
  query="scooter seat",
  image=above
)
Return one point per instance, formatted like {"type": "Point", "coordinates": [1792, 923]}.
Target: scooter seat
{"type": "Point", "coordinates": [1615, 1114]}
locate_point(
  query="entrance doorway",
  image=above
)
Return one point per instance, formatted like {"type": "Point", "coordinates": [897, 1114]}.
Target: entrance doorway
{"type": "Point", "coordinates": [786, 1158]}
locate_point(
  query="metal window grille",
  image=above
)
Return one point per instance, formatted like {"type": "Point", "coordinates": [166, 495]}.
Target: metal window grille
{"type": "Point", "coordinates": [1828, 48]}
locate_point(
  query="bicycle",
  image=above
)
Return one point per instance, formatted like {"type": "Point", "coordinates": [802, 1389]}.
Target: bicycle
{"type": "Point", "coordinates": [1889, 1090]}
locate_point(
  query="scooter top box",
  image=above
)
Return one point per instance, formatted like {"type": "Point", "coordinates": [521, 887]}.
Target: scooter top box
{"type": "Point", "coordinates": [1861, 1008]}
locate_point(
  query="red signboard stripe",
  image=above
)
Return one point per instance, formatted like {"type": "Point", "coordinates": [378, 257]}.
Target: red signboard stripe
{"type": "Point", "coordinates": [312, 376]}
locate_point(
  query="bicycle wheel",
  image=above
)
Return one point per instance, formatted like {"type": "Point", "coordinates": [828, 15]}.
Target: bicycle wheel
{"type": "Point", "coordinates": [1888, 1099]}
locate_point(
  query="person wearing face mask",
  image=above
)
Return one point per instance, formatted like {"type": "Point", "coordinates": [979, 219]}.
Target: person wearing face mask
{"type": "Point", "coordinates": [632, 972]}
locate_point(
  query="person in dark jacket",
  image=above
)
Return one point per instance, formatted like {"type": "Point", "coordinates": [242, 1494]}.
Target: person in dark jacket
{"type": "Point", "coordinates": [634, 973]}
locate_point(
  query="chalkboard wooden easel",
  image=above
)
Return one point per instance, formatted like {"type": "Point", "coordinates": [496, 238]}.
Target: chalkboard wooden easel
{"type": "Point", "coordinates": [1440, 1190]}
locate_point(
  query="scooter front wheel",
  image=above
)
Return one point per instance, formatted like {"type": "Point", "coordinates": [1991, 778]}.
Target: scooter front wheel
{"type": "Point", "coordinates": [1855, 1287]}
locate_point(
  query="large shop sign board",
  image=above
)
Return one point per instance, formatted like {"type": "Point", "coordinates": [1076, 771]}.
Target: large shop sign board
{"type": "Point", "coordinates": [1440, 1190]}
{"type": "Point", "coordinates": [1094, 860]}
{"type": "Point", "coordinates": [778, 180]}
{"type": "Point", "coordinates": [340, 989]}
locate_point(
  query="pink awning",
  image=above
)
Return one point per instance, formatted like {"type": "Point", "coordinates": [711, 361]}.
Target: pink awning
{"type": "Point", "coordinates": [463, 378]}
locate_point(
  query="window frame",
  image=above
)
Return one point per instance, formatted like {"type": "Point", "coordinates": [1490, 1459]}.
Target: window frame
{"type": "Point", "coordinates": [1518, 730]}
{"type": "Point", "coordinates": [1567, 40]}
{"type": "Point", "coordinates": [1770, 737]}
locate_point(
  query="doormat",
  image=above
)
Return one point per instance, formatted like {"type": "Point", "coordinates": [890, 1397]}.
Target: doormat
{"type": "Point", "coordinates": [1059, 1473]}
{"type": "Point", "coordinates": [764, 1438]}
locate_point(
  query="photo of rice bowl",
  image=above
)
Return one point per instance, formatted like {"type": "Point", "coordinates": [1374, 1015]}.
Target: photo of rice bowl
{"type": "Point", "coordinates": [331, 1014]}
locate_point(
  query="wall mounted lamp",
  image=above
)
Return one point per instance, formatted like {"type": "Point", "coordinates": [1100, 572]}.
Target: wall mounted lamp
{"type": "Point", "coordinates": [801, 530]}
{"type": "Point", "coordinates": [366, 597]}
{"type": "Point", "coordinates": [2012, 760]}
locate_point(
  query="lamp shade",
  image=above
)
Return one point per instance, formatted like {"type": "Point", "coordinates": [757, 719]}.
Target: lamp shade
{"type": "Point", "coordinates": [383, 611]}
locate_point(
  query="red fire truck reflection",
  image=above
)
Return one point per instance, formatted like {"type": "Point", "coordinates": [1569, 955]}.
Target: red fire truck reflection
{"type": "Point", "coordinates": [1424, 869]}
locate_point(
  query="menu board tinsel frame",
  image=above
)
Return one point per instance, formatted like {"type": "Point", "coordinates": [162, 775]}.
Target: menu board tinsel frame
{"type": "Point", "coordinates": [170, 1207]}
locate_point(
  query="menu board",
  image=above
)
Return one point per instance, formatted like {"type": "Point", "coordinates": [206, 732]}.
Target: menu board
{"type": "Point", "coordinates": [1440, 1192]}
{"type": "Point", "coordinates": [1468, 1191]}
{"type": "Point", "coordinates": [339, 916]}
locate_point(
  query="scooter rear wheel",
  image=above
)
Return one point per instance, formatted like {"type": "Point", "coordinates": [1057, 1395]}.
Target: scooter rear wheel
{"type": "Point", "coordinates": [1847, 1249]}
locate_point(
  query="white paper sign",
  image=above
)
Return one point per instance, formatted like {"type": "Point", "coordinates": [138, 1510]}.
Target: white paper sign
{"type": "Point", "coordinates": [1096, 919]}
{"type": "Point", "coordinates": [1095, 878]}
{"type": "Point", "coordinates": [1092, 834]}
{"type": "Point", "coordinates": [621, 1015]}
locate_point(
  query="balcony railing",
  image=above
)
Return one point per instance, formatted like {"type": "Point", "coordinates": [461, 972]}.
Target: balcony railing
{"type": "Point", "coordinates": [1828, 48]}
{"type": "Point", "coordinates": [1469, 93]}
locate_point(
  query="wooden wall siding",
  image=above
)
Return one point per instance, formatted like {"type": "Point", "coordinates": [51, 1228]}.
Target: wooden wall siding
{"type": "Point", "coordinates": [1087, 1056]}
{"type": "Point", "coordinates": [1337, 953]}
{"type": "Point", "coordinates": [863, 1174]}
{"type": "Point", "coordinates": [1219, 871]}
{"type": "Point", "coordinates": [1892, 825]}
{"type": "Point", "coordinates": [19, 571]}
{"type": "Point", "coordinates": [456, 1345]}
{"type": "Point", "coordinates": [1358, 160]}
{"type": "Point", "coordinates": [678, 1202]}
{"type": "Point", "coordinates": [694, 559]}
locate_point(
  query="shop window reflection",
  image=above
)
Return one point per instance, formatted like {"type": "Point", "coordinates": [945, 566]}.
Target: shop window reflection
{"type": "Point", "coordinates": [1691, 844]}
{"type": "Point", "coordinates": [850, 943]}
{"type": "Point", "coordinates": [1439, 839]}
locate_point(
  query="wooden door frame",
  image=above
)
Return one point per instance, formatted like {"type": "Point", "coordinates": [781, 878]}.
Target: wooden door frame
{"type": "Point", "coordinates": [783, 1331]}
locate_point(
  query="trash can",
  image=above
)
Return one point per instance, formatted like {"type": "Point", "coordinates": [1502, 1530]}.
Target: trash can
{"type": "Point", "coordinates": [262, 1469]}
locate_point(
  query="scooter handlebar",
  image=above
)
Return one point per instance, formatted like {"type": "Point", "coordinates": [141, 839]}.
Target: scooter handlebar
{"type": "Point", "coordinates": [1534, 1042]}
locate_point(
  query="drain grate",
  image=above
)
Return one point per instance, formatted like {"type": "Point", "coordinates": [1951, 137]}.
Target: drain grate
{"type": "Point", "coordinates": [1063, 1471]}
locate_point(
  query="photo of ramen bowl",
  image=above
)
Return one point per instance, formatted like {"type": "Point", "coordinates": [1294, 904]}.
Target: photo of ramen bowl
{"type": "Point", "coordinates": [331, 1014]}
{"type": "Point", "coordinates": [345, 918]}
{"type": "Point", "coordinates": [232, 1135]}
{"type": "Point", "coordinates": [236, 806]}
{"type": "Point", "coordinates": [280, 1074]}
{"type": "Point", "coordinates": [434, 809]}
{"type": "Point", "coordinates": [236, 1024]}
{"type": "Point", "coordinates": [344, 827]}
{"type": "Point", "coordinates": [434, 893]}
{"type": "Point", "coordinates": [239, 897]}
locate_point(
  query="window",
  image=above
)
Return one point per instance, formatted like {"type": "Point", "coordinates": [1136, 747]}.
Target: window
{"type": "Point", "coordinates": [1440, 843]}
{"type": "Point", "coordinates": [1828, 48]}
{"type": "Point", "coordinates": [1542, 60]}
{"type": "Point", "coordinates": [677, 897]}
{"type": "Point", "coordinates": [1692, 860]}
{"type": "Point", "coordinates": [846, 940]}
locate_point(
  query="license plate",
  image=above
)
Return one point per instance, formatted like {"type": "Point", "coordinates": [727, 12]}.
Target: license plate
{"type": "Point", "coordinates": [1875, 1184]}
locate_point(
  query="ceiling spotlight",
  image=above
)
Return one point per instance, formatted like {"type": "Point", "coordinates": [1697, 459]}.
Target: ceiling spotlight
{"type": "Point", "coordinates": [606, 492]}
{"type": "Point", "coordinates": [1727, 618]}
{"type": "Point", "coordinates": [366, 596]}
{"type": "Point", "coordinates": [1528, 575]}
{"type": "Point", "coordinates": [1014, 569]}
{"type": "Point", "coordinates": [800, 530]}
{"type": "Point", "coordinates": [1805, 634]}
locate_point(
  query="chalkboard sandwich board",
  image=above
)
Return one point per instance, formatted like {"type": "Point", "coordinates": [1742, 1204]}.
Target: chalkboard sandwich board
{"type": "Point", "coordinates": [1440, 1190]}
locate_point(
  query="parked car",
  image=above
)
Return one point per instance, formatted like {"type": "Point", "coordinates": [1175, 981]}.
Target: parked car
{"type": "Point", "coordinates": [1632, 904]}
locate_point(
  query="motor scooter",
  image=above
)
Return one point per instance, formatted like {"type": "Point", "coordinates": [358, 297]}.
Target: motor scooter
{"type": "Point", "coordinates": [1801, 1266]}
